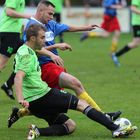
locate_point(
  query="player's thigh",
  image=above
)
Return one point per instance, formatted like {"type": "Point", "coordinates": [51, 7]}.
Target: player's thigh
{"type": "Point", "coordinates": [54, 102]}
{"type": "Point", "coordinates": [67, 80]}
{"type": "Point", "coordinates": [62, 100]}
{"type": "Point", "coordinates": [51, 73]}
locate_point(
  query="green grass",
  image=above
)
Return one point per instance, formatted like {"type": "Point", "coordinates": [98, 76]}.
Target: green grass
{"type": "Point", "coordinates": [113, 89]}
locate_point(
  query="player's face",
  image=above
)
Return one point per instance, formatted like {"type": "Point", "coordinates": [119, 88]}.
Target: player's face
{"type": "Point", "coordinates": [40, 40]}
{"type": "Point", "coordinates": [47, 14]}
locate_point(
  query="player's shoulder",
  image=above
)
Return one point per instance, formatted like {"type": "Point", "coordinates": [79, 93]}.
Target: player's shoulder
{"type": "Point", "coordinates": [25, 50]}
{"type": "Point", "coordinates": [52, 23]}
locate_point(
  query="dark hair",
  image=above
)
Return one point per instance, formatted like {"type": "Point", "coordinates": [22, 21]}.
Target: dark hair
{"type": "Point", "coordinates": [33, 30]}
{"type": "Point", "coordinates": [47, 3]}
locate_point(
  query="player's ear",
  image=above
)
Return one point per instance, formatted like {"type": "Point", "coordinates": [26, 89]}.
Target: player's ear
{"type": "Point", "coordinates": [33, 38]}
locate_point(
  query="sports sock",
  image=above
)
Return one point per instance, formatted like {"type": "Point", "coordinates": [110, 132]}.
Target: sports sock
{"type": "Point", "coordinates": [100, 118]}
{"type": "Point", "coordinates": [124, 50]}
{"type": "Point", "coordinates": [54, 130]}
{"type": "Point", "coordinates": [113, 47]}
{"type": "Point", "coordinates": [10, 81]}
{"type": "Point", "coordinates": [23, 112]}
{"type": "Point", "coordinates": [61, 38]}
{"type": "Point", "coordinates": [92, 34]}
{"type": "Point", "coordinates": [87, 98]}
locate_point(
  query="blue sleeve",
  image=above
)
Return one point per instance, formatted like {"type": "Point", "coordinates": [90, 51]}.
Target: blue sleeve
{"type": "Point", "coordinates": [57, 28]}
{"type": "Point", "coordinates": [108, 3]}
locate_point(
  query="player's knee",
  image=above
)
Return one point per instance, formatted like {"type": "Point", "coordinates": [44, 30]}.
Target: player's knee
{"type": "Point", "coordinates": [105, 34]}
{"type": "Point", "coordinates": [76, 83]}
{"type": "Point", "coordinates": [82, 104]}
{"type": "Point", "coordinates": [71, 125]}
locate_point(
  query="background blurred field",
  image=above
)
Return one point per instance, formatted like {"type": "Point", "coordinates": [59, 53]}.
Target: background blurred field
{"type": "Point", "coordinates": [113, 88]}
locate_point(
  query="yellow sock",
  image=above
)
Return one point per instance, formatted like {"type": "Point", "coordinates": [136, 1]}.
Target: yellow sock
{"type": "Point", "coordinates": [23, 112]}
{"type": "Point", "coordinates": [92, 34]}
{"type": "Point", "coordinates": [114, 47]}
{"type": "Point", "coordinates": [87, 98]}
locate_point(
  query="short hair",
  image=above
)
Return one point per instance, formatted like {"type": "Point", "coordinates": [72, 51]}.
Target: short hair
{"type": "Point", "coordinates": [33, 30]}
{"type": "Point", "coordinates": [46, 3]}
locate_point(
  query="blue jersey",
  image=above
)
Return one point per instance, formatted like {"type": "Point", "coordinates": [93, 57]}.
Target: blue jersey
{"type": "Point", "coordinates": [52, 30]}
{"type": "Point", "coordinates": [110, 11]}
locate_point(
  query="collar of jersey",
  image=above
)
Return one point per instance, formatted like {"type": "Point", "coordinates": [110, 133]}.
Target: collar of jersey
{"type": "Point", "coordinates": [32, 18]}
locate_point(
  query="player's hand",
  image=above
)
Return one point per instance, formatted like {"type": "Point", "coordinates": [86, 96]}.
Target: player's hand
{"type": "Point", "coordinates": [92, 27]}
{"type": "Point", "coordinates": [57, 60]}
{"type": "Point", "coordinates": [64, 46]}
{"type": "Point", "coordinates": [119, 6]}
{"type": "Point", "coordinates": [24, 103]}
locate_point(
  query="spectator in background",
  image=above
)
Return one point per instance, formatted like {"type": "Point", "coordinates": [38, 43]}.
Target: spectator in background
{"type": "Point", "coordinates": [32, 3]}
{"type": "Point", "coordinates": [58, 11]}
{"type": "Point", "coordinates": [88, 4]}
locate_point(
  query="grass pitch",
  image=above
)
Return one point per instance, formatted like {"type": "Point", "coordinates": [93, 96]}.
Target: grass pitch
{"type": "Point", "coordinates": [113, 89]}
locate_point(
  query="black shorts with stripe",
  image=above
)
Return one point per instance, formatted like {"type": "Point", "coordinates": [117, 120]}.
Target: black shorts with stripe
{"type": "Point", "coordinates": [136, 30]}
{"type": "Point", "coordinates": [52, 106]}
{"type": "Point", "coordinates": [9, 43]}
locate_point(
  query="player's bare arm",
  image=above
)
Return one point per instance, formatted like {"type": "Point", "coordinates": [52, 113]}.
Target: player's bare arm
{"type": "Point", "coordinates": [61, 46]}
{"type": "Point", "coordinates": [55, 58]}
{"type": "Point", "coordinates": [12, 13]}
{"type": "Point", "coordinates": [135, 9]}
{"type": "Point", "coordinates": [18, 88]}
{"type": "Point", "coordinates": [83, 28]}
{"type": "Point", "coordinates": [116, 6]}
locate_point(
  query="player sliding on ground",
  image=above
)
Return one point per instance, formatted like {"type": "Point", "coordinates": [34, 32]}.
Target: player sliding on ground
{"type": "Point", "coordinates": [34, 94]}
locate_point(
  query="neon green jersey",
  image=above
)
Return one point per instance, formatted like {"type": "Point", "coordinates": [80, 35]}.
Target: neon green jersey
{"type": "Point", "coordinates": [9, 24]}
{"type": "Point", "coordinates": [135, 17]}
{"type": "Point", "coordinates": [58, 5]}
{"type": "Point", "coordinates": [33, 86]}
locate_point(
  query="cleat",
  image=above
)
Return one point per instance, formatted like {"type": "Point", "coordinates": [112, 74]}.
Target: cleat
{"type": "Point", "coordinates": [123, 132]}
{"type": "Point", "coordinates": [113, 115]}
{"type": "Point", "coordinates": [115, 60]}
{"type": "Point", "coordinates": [84, 36]}
{"type": "Point", "coordinates": [8, 91]}
{"type": "Point", "coordinates": [33, 132]}
{"type": "Point", "coordinates": [132, 130]}
{"type": "Point", "coordinates": [13, 117]}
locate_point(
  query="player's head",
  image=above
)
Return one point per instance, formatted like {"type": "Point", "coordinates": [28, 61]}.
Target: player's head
{"type": "Point", "coordinates": [45, 11]}
{"type": "Point", "coordinates": [36, 36]}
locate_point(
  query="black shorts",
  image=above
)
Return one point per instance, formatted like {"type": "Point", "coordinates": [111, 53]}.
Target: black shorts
{"type": "Point", "coordinates": [53, 119]}
{"type": "Point", "coordinates": [9, 43]}
{"type": "Point", "coordinates": [136, 30]}
{"type": "Point", "coordinates": [53, 104]}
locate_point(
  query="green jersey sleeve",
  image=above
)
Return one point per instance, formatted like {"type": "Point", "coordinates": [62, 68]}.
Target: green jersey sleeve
{"type": "Point", "coordinates": [24, 63]}
{"type": "Point", "coordinates": [11, 3]}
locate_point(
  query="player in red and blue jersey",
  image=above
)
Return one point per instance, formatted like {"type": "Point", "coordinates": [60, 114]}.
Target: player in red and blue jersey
{"type": "Point", "coordinates": [110, 23]}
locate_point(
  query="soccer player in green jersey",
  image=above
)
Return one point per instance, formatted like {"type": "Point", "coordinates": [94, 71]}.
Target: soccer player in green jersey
{"type": "Point", "coordinates": [34, 94]}
{"type": "Point", "coordinates": [10, 29]}
{"type": "Point", "coordinates": [54, 74]}
{"type": "Point", "coordinates": [135, 8]}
